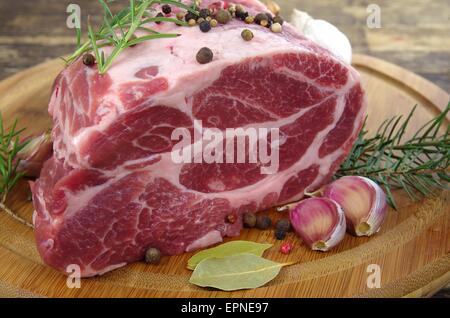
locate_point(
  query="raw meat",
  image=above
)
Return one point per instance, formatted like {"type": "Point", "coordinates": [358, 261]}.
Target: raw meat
{"type": "Point", "coordinates": [111, 189]}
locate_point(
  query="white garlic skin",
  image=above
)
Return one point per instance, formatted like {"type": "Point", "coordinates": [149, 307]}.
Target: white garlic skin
{"type": "Point", "coordinates": [320, 223]}
{"type": "Point", "coordinates": [363, 201]}
{"type": "Point", "coordinates": [324, 34]}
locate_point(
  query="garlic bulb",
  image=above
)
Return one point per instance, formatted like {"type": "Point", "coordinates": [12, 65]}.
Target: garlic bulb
{"type": "Point", "coordinates": [320, 222]}
{"type": "Point", "coordinates": [363, 201]}
{"type": "Point", "coordinates": [324, 34]}
{"type": "Point", "coordinates": [38, 150]}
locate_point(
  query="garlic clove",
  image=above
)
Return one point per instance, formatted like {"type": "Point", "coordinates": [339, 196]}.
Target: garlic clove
{"type": "Point", "coordinates": [38, 150]}
{"type": "Point", "coordinates": [363, 201]}
{"type": "Point", "coordinates": [320, 222]}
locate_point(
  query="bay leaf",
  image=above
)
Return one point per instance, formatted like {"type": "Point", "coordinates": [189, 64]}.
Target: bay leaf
{"type": "Point", "coordinates": [240, 271]}
{"type": "Point", "coordinates": [227, 249]}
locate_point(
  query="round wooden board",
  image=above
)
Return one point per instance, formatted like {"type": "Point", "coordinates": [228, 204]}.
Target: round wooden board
{"type": "Point", "coordinates": [412, 249]}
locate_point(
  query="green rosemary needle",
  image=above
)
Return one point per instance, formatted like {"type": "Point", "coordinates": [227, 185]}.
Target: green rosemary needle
{"type": "Point", "coordinates": [10, 146]}
{"type": "Point", "coordinates": [418, 165]}
{"type": "Point", "coordinates": [118, 30]}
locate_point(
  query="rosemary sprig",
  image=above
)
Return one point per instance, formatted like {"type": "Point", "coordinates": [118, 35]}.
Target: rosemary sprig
{"type": "Point", "coordinates": [10, 146]}
{"type": "Point", "coordinates": [418, 165]}
{"type": "Point", "coordinates": [118, 31]}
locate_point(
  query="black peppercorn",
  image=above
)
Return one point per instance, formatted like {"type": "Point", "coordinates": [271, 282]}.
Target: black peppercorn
{"type": "Point", "coordinates": [263, 222]}
{"type": "Point", "coordinates": [283, 225]}
{"type": "Point", "coordinates": [280, 235]}
{"type": "Point", "coordinates": [166, 9]}
{"type": "Point", "coordinates": [249, 220]}
{"type": "Point", "coordinates": [205, 55]}
{"type": "Point", "coordinates": [242, 15]}
{"type": "Point", "coordinates": [205, 26]}
{"type": "Point", "coordinates": [159, 15]}
{"type": "Point", "coordinates": [278, 19]}
{"type": "Point", "coordinates": [88, 59]}
{"type": "Point", "coordinates": [261, 17]}
{"type": "Point", "coordinates": [204, 13]}
{"type": "Point", "coordinates": [190, 16]}
{"type": "Point", "coordinates": [152, 256]}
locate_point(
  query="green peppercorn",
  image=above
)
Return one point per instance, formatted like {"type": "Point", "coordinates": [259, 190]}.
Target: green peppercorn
{"type": "Point", "coordinates": [261, 17]}
{"type": "Point", "coordinates": [204, 13]}
{"type": "Point", "coordinates": [249, 220]}
{"type": "Point", "coordinates": [247, 35]}
{"type": "Point", "coordinates": [213, 23]}
{"type": "Point", "coordinates": [232, 10]}
{"type": "Point", "coordinates": [278, 19]}
{"type": "Point", "coordinates": [166, 9]}
{"type": "Point", "coordinates": [192, 22]}
{"type": "Point", "coordinates": [180, 16]}
{"type": "Point", "coordinates": [280, 234]}
{"type": "Point", "coordinates": [223, 16]}
{"type": "Point", "coordinates": [205, 26]}
{"type": "Point", "coordinates": [263, 222]}
{"type": "Point", "coordinates": [249, 20]}
{"type": "Point", "coordinates": [239, 8]}
{"type": "Point", "coordinates": [88, 59]}
{"type": "Point", "coordinates": [152, 256]}
{"type": "Point", "coordinates": [283, 225]}
{"type": "Point", "coordinates": [205, 55]}
{"type": "Point", "coordinates": [159, 15]}
{"type": "Point", "coordinates": [276, 28]}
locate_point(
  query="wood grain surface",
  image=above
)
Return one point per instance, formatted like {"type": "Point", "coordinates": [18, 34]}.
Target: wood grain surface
{"type": "Point", "coordinates": [414, 35]}
{"type": "Point", "coordinates": [412, 248]}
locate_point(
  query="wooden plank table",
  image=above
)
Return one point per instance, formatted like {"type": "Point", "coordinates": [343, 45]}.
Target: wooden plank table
{"type": "Point", "coordinates": [414, 33]}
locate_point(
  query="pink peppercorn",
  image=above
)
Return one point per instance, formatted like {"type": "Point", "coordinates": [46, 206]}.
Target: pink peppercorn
{"type": "Point", "coordinates": [286, 248]}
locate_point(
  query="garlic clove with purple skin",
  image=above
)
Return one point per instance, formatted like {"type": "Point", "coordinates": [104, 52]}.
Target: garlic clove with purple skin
{"type": "Point", "coordinates": [363, 201]}
{"type": "Point", "coordinates": [38, 150]}
{"type": "Point", "coordinates": [320, 223]}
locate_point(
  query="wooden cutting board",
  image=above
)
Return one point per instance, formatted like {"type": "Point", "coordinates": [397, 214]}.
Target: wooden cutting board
{"type": "Point", "coordinates": [412, 249]}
